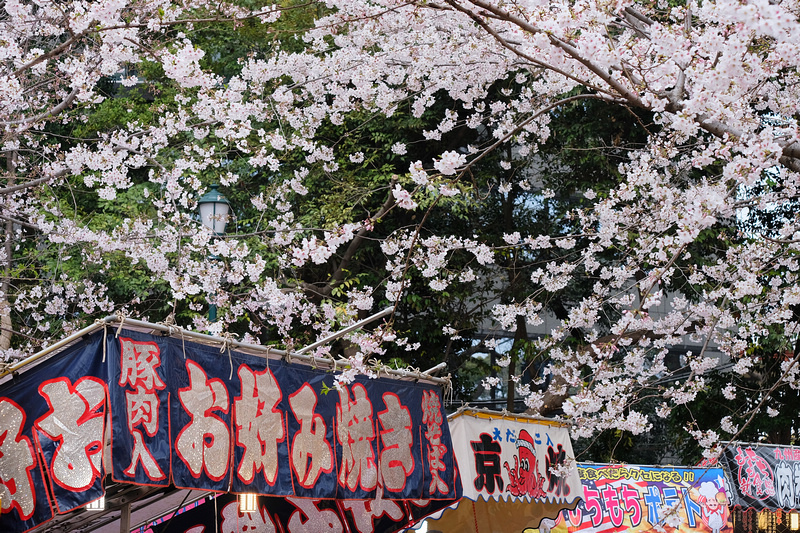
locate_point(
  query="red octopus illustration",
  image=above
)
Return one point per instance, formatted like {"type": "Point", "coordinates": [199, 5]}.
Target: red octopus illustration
{"type": "Point", "coordinates": [524, 478]}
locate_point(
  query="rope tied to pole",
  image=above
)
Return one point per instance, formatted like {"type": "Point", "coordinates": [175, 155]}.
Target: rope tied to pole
{"type": "Point", "coordinates": [227, 340]}
{"type": "Point", "coordinates": [105, 335]}
{"type": "Point", "coordinates": [172, 329]}
{"type": "Point", "coordinates": [447, 390]}
{"type": "Point", "coordinates": [120, 314]}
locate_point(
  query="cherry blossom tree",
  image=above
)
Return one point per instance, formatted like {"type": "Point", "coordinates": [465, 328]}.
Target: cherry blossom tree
{"type": "Point", "coordinates": [717, 78]}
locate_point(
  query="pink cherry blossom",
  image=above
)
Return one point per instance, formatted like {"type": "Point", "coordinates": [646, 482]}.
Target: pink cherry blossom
{"type": "Point", "coordinates": [717, 78]}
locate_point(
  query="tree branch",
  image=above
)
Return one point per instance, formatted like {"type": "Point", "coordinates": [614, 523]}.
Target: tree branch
{"type": "Point", "coordinates": [355, 244]}
{"type": "Point", "coordinates": [53, 112]}
{"type": "Point", "coordinates": [571, 51]}
{"type": "Point", "coordinates": [32, 183]}
{"type": "Point", "coordinates": [508, 45]}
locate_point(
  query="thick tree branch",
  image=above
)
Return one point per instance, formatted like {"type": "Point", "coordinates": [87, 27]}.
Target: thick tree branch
{"type": "Point", "coordinates": [570, 50]}
{"type": "Point", "coordinates": [356, 243]}
{"type": "Point", "coordinates": [358, 239]}
{"type": "Point", "coordinates": [791, 151]}
{"type": "Point", "coordinates": [5, 283]}
{"type": "Point", "coordinates": [32, 183]}
{"type": "Point", "coordinates": [515, 50]}
{"type": "Point", "coordinates": [30, 121]}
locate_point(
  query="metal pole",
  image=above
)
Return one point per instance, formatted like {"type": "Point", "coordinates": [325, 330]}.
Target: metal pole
{"type": "Point", "coordinates": [212, 307]}
{"type": "Point", "coordinates": [216, 517]}
{"type": "Point", "coordinates": [176, 330]}
{"type": "Point", "coordinates": [60, 344]}
{"type": "Point", "coordinates": [345, 331]}
{"type": "Point", "coordinates": [256, 349]}
{"type": "Point", "coordinates": [440, 366]}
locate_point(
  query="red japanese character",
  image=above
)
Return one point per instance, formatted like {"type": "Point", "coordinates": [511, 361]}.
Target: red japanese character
{"type": "Point", "coordinates": [755, 475]}
{"type": "Point", "coordinates": [138, 364]}
{"type": "Point", "coordinates": [142, 409]}
{"type": "Point", "coordinates": [311, 452]}
{"type": "Point", "coordinates": [234, 521]}
{"type": "Point", "coordinates": [259, 424]}
{"type": "Point", "coordinates": [396, 461]}
{"type": "Point", "coordinates": [432, 417]}
{"type": "Point", "coordinates": [366, 511]}
{"type": "Point", "coordinates": [316, 520]}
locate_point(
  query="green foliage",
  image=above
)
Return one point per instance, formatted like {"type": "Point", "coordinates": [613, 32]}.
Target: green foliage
{"type": "Point", "coordinates": [589, 139]}
{"type": "Point", "coordinates": [227, 43]}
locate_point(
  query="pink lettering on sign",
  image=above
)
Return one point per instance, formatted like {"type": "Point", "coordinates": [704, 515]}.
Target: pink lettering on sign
{"type": "Point", "coordinates": [613, 504]}
{"type": "Point", "coordinates": [632, 504]}
{"type": "Point", "coordinates": [755, 476]}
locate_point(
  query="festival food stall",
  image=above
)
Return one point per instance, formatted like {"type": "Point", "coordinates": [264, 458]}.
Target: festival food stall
{"type": "Point", "coordinates": [129, 408]}
{"type": "Point", "coordinates": [766, 483]}
{"type": "Point", "coordinates": [515, 471]}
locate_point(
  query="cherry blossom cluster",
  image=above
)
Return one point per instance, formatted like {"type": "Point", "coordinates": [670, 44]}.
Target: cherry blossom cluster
{"type": "Point", "coordinates": [719, 76]}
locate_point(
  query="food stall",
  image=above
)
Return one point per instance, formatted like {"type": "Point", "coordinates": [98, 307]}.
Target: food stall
{"type": "Point", "coordinates": [126, 414]}
{"type": "Point", "coordinates": [515, 472]}
{"type": "Point", "coordinates": [766, 483]}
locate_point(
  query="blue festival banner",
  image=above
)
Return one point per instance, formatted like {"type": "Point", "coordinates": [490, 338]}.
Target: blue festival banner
{"type": "Point", "coordinates": [52, 421]}
{"type": "Point", "coordinates": [197, 417]}
{"type": "Point", "coordinates": [140, 411]}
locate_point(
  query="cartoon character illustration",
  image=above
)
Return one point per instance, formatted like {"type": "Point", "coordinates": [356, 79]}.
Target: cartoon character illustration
{"type": "Point", "coordinates": [524, 478]}
{"type": "Point", "coordinates": [713, 500]}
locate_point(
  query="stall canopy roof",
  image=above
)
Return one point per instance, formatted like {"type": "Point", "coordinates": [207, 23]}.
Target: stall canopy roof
{"type": "Point", "coordinates": [115, 323]}
{"type": "Point", "coordinates": [128, 506]}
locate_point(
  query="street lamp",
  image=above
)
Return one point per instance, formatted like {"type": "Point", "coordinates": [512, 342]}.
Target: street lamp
{"type": "Point", "coordinates": [214, 208]}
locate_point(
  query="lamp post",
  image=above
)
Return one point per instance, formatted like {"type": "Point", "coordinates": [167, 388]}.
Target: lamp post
{"type": "Point", "coordinates": [214, 209]}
